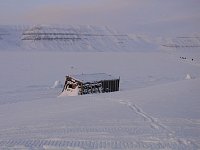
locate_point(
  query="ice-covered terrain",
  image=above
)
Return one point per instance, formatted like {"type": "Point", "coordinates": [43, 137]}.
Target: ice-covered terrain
{"type": "Point", "coordinates": [69, 39]}
{"type": "Point", "coordinates": [157, 106]}
{"type": "Point", "coordinates": [87, 39]}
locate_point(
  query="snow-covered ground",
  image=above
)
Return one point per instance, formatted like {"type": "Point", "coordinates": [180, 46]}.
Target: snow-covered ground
{"type": "Point", "coordinates": [157, 106]}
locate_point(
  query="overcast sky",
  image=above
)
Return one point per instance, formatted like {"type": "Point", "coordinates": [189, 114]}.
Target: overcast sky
{"type": "Point", "coordinates": [125, 15]}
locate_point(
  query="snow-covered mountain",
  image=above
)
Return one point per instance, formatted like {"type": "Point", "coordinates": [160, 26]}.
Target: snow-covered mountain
{"type": "Point", "coordinates": [183, 42]}
{"type": "Point", "coordinates": [69, 38]}
{"type": "Point", "coordinates": [87, 39]}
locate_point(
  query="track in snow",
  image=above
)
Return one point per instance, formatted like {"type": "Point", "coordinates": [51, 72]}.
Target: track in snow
{"type": "Point", "coordinates": [93, 144]}
{"type": "Point", "coordinates": [146, 134]}
{"type": "Point", "coordinates": [155, 124]}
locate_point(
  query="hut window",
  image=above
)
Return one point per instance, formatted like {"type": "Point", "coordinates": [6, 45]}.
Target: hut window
{"type": "Point", "coordinates": [72, 86]}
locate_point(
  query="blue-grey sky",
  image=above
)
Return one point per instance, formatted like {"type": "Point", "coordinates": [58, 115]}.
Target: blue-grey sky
{"type": "Point", "coordinates": [126, 15]}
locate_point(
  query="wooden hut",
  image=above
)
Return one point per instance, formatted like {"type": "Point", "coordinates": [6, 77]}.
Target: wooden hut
{"type": "Point", "coordinates": [90, 83]}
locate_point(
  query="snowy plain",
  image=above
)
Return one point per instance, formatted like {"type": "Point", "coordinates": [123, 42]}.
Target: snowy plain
{"type": "Point", "coordinates": [157, 107]}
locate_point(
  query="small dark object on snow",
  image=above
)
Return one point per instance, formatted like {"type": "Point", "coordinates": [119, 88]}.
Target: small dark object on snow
{"type": "Point", "coordinates": [183, 57]}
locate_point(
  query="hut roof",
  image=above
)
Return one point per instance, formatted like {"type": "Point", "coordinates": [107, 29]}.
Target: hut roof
{"type": "Point", "coordinates": [85, 78]}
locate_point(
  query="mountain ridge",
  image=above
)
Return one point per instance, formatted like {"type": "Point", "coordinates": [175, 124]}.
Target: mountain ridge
{"type": "Point", "coordinates": [87, 39]}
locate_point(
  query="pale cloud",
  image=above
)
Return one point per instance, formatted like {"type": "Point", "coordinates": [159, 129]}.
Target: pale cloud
{"type": "Point", "coordinates": [101, 11]}
{"type": "Point", "coordinates": [120, 14]}
{"type": "Point", "coordinates": [108, 11]}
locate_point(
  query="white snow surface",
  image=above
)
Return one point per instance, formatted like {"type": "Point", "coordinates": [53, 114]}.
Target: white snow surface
{"type": "Point", "coordinates": [70, 92]}
{"type": "Point", "coordinates": [95, 77]}
{"type": "Point", "coordinates": [156, 107]}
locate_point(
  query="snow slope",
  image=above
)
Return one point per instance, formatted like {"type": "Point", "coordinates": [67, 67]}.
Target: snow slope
{"type": "Point", "coordinates": [69, 39]}
{"type": "Point", "coordinates": [88, 39]}
{"type": "Point", "coordinates": [156, 108]}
